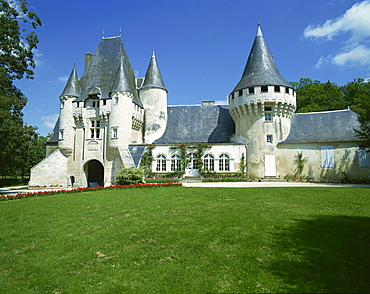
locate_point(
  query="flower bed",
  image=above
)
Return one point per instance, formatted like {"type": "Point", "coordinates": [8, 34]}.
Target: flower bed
{"type": "Point", "coordinates": [85, 189]}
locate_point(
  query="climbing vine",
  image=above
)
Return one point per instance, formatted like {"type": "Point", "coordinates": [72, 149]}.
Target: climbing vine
{"type": "Point", "coordinates": [147, 160]}
{"type": "Point", "coordinates": [185, 156]}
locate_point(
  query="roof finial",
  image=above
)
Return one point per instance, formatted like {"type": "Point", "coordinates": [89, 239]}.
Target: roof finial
{"type": "Point", "coordinates": [103, 34]}
{"type": "Point", "coordinates": [74, 66]}
{"type": "Point", "coordinates": [153, 53]}
{"type": "Point", "coordinates": [120, 31]}
{"type": "Point", "coordinates": [259, 22]}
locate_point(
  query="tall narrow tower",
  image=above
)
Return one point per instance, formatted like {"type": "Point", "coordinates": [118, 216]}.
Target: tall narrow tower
{"type": "Point", "coordinates": [262, 104]}
{"type": "Point", "coordinates": [153, 94]}
{"type": "Point", "coordinates": [66, 120]}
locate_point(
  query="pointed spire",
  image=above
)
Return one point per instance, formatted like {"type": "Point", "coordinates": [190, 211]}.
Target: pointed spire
{"type": "Point", "coordinates": [72, 87]}
{"type": "Point", "coordinates": [260, 69]}
{"type": "Point", "coordinates": [153, 77]}
{"type": "Point", "coordinates": [121, 81]}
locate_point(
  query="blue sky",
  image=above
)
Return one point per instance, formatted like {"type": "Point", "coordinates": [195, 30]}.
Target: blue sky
{"type": "Point", "coordinates": [201, 45]}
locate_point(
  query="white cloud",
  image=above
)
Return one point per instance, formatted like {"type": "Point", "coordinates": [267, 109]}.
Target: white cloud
{"type": "Point", "coordinates": [356, 23]}
{"type": "Point", "coordinates": [221, 102]}
{"type": "Point", "coordinates": [359, 54]}
{"type": "Point", "coordinates": [49, 120]}
{"type": "Point", "coordinates": [38, 57]}
{"type": "Point", "coordinates": [63, 79]}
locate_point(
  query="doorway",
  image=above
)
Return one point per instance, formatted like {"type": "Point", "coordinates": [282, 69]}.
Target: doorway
{"type": "Point", "coordinates": [94, 171]}
{"type": "Point", "coordinates": [270, 166]}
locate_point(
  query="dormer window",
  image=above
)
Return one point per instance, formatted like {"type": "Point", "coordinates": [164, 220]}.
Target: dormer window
{"type": "Point", "coordinates": [95, 103]}
{"type": "Point", "coordinates": [264, 89]}
{"type": "Point", "coordinates": [251, 90]}
{"type": "Point", "coordinates": [277, 89]}
{"type": "Point", "coordinates": [287, 90]}
{"type": "Point", "coordinates": [240, 92]}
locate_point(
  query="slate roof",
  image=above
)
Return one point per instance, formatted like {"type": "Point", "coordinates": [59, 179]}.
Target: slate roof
{"type": "Point", "coordinates": [136, 153]}
{"type": "Point", "coordinates": [55, 137]}
{"type": "Point", "coordinates": [322, 127]}
{"type": "Point", "coordinates": [153, 77]}
{"type": "Point", "coordinates": [260, 69]}
{"type": "Point", "coordinates": [198, 124]}
{"type": "Point", "coordinates": [72, 87]}
{"type": "Point", "coordinates": [104, 67]}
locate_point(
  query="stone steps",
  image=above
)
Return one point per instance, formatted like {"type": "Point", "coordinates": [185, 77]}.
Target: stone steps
{"type": "Point", "coordinates": [191, 180]}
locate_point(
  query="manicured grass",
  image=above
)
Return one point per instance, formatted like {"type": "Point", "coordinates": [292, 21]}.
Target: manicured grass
{"type": "Point", "coordinates": [187, 240]}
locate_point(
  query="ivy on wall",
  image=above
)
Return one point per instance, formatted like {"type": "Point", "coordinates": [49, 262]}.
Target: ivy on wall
{"type": "Point", "coordinates": [147, 160]}
{"type": "Point", "coordinates": [185, 156]}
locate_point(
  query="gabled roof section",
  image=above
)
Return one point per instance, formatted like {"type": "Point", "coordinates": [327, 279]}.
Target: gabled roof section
{"type": "Point", "coordinates": [260, 69]}
{"type": "Point", "coordinates": [153, 77]}
{"type": "Point", "coordinates": [102, 69]}
{"type": "Point", "coordinates": [72, 87]}
{"type": "Point", "coordinates": [198, 124]}
{"type": "Point", "coordinates": [323, 127]}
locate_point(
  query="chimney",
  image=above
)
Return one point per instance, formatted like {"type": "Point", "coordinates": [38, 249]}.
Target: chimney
{"type": "Point", "coordinates": [208, 103]}
{"type": "Point", "coordinates": [87, 59]}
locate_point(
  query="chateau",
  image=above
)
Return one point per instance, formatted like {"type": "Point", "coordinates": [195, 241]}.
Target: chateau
{"type": "Point", "coordinates": [109, 118]}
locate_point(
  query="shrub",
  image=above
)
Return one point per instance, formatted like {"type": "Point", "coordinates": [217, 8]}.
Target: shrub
{"type": "Point", "coordinates": [130, 176]}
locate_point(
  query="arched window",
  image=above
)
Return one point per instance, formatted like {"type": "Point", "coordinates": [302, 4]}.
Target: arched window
{"type": "Point", "coordinates": [224, 162]}
{"type": "Point", "coordinates": [209, 162]}
{"type": "Point", "coordinates": [193, 161]}
{"type": "Point", "coordinates": [175, 163]}
{"type": "Point", "coordinates": [161, 163]}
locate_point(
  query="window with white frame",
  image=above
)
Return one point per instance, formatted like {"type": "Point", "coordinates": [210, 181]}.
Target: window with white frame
{"type": "Point", "coordinates": [209, 162]}
{"type": "Point", "coordinates": [193, 161]}
{"type": "Point", "coordinates": [363, 157]}
{"type": "Point", "coordinates": [268, 113]}
{"type": "Point", "coordinates": [224, 162]}
{"type": "Point", "coordinates": [327, 156]}
{"type": "Point", "coordinates": [161, 163]}
{"type": "Point", "coordinates": [61, 134]}
{"type": "Point", "coordinates": [175, 163]}
{"type": "Point", "coordinates": [114, 133]}
{"type": "Point", "coordinates": [95, 129]}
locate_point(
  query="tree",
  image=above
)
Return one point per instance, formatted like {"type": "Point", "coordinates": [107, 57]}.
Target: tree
{"type": "Point", "coordinates": [316, 96]}
{"type": "Point", "coordinates": [16, 62]}
{"type": "Point", "coordinates": [16, 54]}
{"type": "Point", "coordinates": [358, 92]}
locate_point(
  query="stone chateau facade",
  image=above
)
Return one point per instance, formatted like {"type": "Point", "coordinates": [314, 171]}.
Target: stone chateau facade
{"type": "Point", "coordinates": [109, 117]}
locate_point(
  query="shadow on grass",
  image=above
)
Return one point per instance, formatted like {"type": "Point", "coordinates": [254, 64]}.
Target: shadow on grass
{"type": "Point", "coordinates": [328, 254]}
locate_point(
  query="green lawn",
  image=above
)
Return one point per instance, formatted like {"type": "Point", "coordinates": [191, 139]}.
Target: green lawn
{"type": "Point", "coordinates": [187, 240]}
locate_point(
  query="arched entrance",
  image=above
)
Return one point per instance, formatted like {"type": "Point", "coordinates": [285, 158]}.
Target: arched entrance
{"type": "Point", "coordinates": [94, 171]}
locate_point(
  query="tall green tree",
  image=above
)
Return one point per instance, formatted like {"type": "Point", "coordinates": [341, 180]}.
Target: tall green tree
{"type": "Point", "coordinates": [317, 96]}
{"type": "Point", "coordinates": [358, 93]}
{"type": "Point", "coordinates": [16, 62]}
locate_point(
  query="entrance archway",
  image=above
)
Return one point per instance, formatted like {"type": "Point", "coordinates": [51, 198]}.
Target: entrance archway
{"type": "Point", "coordinates": [94, 171]}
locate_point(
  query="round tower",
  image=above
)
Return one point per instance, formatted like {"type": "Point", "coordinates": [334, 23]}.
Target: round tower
{"type": "Point", "coordinates": [262, 105]}
{"type": "Point", "coordinates": [66, 120]}
{"type": "Point", "coordinates": [153, 94]}
{"type": "Point", "coordinates": [120, 119]}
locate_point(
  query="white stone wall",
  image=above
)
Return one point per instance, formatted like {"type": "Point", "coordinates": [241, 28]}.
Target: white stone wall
{"type": "Point", "coordinates": [155, 117]}
{"type": "Point", "coordinates": [50, 172]}
{"type": "Point", "coordinates": [346, 164]}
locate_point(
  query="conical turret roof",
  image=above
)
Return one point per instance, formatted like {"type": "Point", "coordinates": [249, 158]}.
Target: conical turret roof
{"type": "Point", "coordinates": [121, 81]}
{"type": "Point", "coordinates": [153, 77]}
{"type": "Point", "coordinates": [260, 69]}
{"type": "Point", "coordinates": [72, 87]}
